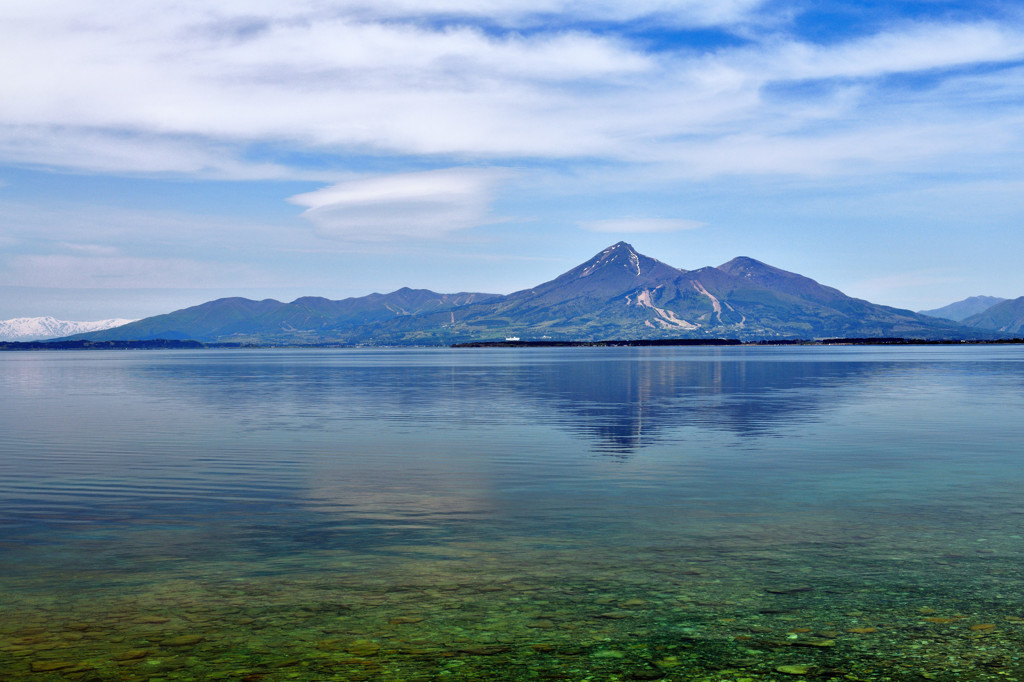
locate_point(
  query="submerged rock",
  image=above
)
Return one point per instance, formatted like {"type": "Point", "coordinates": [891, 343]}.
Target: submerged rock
{"type": "Point", "coordinates": [815, 642]}
{"type": "Point", "coordinates": [363, 647]}
{"type": "Point", "coordinates": [183, 640]}
{"type": "Point", "coordinates": [50, 666]}
{"type": "Point", "coordinates": [797, 669]}
{"type": "Point", "coordinates": [485, 650]}
{"type": "Point", "coordinates": [131, 655]}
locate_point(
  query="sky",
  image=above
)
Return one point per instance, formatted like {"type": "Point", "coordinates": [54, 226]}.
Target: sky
{"type": "Point", "coordinates": [156, 155]}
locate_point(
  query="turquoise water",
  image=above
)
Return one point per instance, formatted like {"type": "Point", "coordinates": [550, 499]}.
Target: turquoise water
{"type": "Point", "coordinates": [536, 514]}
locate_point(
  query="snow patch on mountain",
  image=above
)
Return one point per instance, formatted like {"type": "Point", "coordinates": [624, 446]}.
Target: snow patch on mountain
{"type": "Point", "coordinates": [666, 318]}
{"type": "Point", "coordinates": [716, 305]}
{"type": "Point", "coordinates": [42, 328]}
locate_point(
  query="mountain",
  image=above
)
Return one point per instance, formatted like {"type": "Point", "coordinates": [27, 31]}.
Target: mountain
{"type": "Point", "coordinates": [1007, 317]}
{"type": "Point", "coordinates": [39, 328]}
{"type": "Point", "coordinates": [620, 293]}
{"type": "Point", "coordinates": [961, 310]}
{"type": "Point", "coordinates": [305, 320]}
{"type": "Point", "coordinates": [617, 294]}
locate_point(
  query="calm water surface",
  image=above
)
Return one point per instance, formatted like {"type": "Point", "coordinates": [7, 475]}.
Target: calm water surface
{"type": "Point", "coordinates": [683, 514]}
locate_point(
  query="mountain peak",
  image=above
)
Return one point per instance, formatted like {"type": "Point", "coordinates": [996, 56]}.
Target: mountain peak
{"type": "Point", "coordinates": [620, 254]}
{"type": "Point", "coordinates": [745, 265]}
{"type": "Point", "coordinates": [622, 260]}
{"type": "Point", "coordinates": [770, 277]}
{"type": "Point", "coordinates": [961, 310]}
{"type": "Point", "coordinates": [615, 271]}
{"type": "Point", "coordinates": [1007, 317]}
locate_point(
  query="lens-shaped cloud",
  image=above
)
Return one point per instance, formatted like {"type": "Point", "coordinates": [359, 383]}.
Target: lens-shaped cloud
{"type": "Point", "coordinates": [427, 205]}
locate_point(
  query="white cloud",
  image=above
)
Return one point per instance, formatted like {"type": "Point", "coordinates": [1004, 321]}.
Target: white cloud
{"type": "Point", "coordinates": [186, 87]}
{"type": "Point", "coordinates": [913, 48]}
{"type": "Point", "coordinates": [408, 205]}
{"type": "Point", "coordinates": [249, 15]}
{"type": "Point", "coordinates": [688, 12]}
{"type": "Point", "coordinates": [638, 225]}
{"type": "Point", "coordinates": [342, 51]}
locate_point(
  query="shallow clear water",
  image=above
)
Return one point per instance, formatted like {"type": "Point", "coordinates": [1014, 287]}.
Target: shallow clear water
{"type": "Point", "coordinates": [689, 513]}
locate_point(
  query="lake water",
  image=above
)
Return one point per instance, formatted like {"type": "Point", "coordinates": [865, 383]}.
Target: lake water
{"type": "Point", "coordinates": [776, 513]}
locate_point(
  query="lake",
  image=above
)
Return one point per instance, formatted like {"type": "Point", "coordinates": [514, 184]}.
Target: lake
{"type": "Point", "coordinates": [696, 513]}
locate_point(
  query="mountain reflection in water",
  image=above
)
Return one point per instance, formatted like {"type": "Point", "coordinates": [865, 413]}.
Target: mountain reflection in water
{"type": "Point", "coordinates": [619, 405]}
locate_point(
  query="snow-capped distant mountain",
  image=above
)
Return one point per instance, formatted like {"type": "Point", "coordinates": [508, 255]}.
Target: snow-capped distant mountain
{"type": "Point", "coordinates": [39, 328]}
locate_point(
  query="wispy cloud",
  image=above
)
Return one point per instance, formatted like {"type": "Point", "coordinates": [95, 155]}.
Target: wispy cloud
{"type": "Point", "coordinates": [914, 47]}
{"type": "Point", "coordinates": [903, 285]}
{"type": "Point", "coordinates": [640, 225]}
{"type": "Point", "coordinates": [408, 205]}
{"type": "Point", "coordinates": [90, 249]}
{"type": "Point", "coordinates": [121, 272]}
{"type": "Point", "coordinates": [113, 150]}
{"type": "Point", "coordinates": [112, 230]}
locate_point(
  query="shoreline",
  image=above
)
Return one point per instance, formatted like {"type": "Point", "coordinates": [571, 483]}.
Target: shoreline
{"type": "Point", "coordinates": [176, 344]}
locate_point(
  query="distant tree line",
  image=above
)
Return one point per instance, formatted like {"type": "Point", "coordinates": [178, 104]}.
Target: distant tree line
{"type": "Point", "coordinates": [149, 344]}
{"type": "Point", "coordinates": [860, 341]}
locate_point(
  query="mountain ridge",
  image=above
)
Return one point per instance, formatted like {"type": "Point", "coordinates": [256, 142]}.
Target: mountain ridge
{"type": "Point", "coordinates": [618, 293]}
{"type": "Point", "coordinates": [961, 310]}
{"type": "Point", "coordinates": [1007, 317]}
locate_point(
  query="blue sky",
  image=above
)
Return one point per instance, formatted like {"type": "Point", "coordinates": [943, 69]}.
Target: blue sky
{"type": "Point", "coordinates": [166, 153]}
